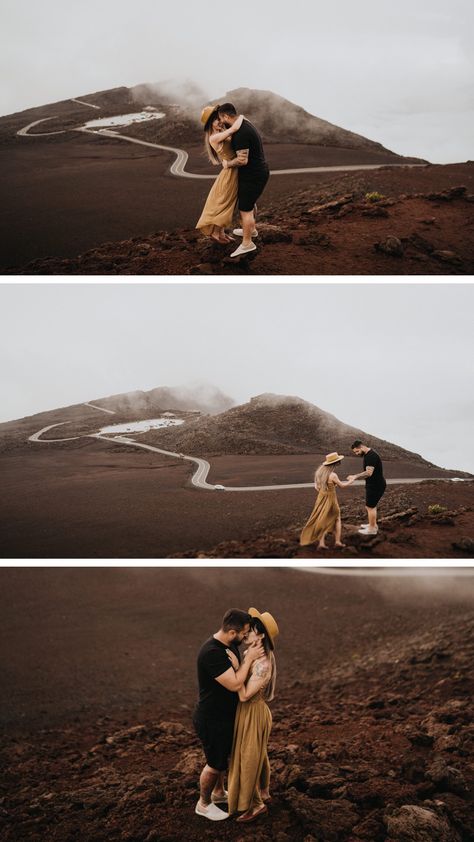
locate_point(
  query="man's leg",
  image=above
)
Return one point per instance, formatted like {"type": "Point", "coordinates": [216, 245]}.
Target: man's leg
{"type": "Point", "coordinates": [372, 516]}
{"type": "Point", "coordinates": [219, 788]}
{"type": "Point", "coordinates": [207, 782]}
{"type": "Point", "coordinates": [248, 227]}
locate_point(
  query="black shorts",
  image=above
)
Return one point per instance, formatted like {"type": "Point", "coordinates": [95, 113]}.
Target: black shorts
{"type": "Point", "coordinates": [373, 495]}
{"type": "Point", "coordinates": [250, 189]}
{"type": "Point", "coordinates": [216, 734]}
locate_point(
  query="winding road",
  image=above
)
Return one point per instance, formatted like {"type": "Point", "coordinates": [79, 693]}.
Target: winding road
{"type": "Point", "coordinates": [199, 478]}
{"type": "Point", "coordinates": [178, 167]}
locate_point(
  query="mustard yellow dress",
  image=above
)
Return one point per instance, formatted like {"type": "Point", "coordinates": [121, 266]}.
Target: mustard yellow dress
{"type": "Point", "coordinates": [220, 204]}
{"type": "Point", "coordinates": [249, 770]}
{"type": "Point", "coordinates": [323, 518]}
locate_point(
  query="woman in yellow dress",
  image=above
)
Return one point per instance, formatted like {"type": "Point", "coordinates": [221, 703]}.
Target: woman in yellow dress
{"type": "Point", "coordinates": [326, 515]}
{"type": "Point", "coordinates": [249, 769]}
{"type": "Point", "coordinates": [219, 209]}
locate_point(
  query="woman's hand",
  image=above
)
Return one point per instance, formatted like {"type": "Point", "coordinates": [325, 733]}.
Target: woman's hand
{"type": "Point", "coordinates": [224, 164]}
{"type": "Point", "coordinates": [233, 659]}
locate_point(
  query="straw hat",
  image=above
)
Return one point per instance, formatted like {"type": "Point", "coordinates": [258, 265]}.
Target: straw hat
{"type": "Point", "coordinates": [271, 626]}
{"type": "Point", "coordinates": [206, 113]}
{"type": "Point", "coordinates": [332, 458]}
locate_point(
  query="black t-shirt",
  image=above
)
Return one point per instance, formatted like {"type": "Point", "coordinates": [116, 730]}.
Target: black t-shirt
{"type": "Point", "coordinates": [247, 137]}
{"type": "Point", "coordinates": [372, 459]}
{"type": "Point", "coordinates": [213, 661]}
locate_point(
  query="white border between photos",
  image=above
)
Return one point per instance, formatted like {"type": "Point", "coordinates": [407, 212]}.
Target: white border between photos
{"type": "Point", "coordinates": [237, 279]}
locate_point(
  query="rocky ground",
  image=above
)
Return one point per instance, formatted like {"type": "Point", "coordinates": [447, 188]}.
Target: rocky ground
{"type": "Point", "coordinates": [400, 221]}
{"type": "Point", "coordinates": [374, 749]}
{"type": "Point", "coordinates": [411, 525]}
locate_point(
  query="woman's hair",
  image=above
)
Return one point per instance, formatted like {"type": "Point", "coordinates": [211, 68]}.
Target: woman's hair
{"type": "Point", "coordinates": [322, 475]}
{"type": "Point", "coordinates": [211, 153]}
{"type": "Point", "coordinates": [257, 626]}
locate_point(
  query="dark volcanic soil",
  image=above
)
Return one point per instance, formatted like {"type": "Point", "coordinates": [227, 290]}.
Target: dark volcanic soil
{"type": "Point", "coordinates": [408, 528]}
{"type": "Point", "coordinates": [372, 719]}
{"type": "Point", "coordinates": [419, 223]}
{"type": "Point", "coordinates": [95, 499]}
{"type": "Point", "coordinates": [64, 195]}
{"type": "Point", "coordinates": [60, 200]}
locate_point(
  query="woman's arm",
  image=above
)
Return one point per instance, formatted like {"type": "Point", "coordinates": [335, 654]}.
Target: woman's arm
{"type": "Point", "coordinates": [335, 479]}
{"type": "Point", "coordinates": [257, 680]}
{"type": "Point", "coordinates": [218, 137]}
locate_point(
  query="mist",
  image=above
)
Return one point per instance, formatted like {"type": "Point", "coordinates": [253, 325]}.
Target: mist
{"type": "Point", "coordinates": [394, 360]}
{"type": "Point", "coordinates": [402, 75]}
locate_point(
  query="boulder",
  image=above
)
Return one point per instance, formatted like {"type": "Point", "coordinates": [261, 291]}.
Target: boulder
{"type": "Point", "coordinates": [411, 823]}
{"type": "Point", "coordinates": [391, 246]}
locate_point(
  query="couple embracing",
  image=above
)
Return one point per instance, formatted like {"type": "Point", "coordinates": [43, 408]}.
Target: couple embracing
{"type": "Point", "coordinates": [232, 718]}
{"type": "Point", "coordinates": [234, 143]}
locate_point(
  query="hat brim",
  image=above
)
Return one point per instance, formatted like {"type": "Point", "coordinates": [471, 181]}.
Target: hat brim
{"type": "Point", "coordinates": [335, 462]}
{"type": "Point", "coordinates": [255, 613]}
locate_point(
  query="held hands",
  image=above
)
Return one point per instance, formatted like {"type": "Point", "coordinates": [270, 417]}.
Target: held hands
{"type": "Point", "coordinates": [351, 478]}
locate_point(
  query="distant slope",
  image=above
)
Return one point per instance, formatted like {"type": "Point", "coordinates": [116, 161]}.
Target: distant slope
{"type": "Point", "coordinates": [278, 119]}
{"type": "Point", "coordinates": [127, 406]}
{"type": "Point", "coordinates": [272, 424]}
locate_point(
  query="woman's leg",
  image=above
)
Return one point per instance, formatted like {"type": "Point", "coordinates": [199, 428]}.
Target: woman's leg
{"type": "Point", "coordinates": [338, 534]}
{"type": "Point", "coordinates": [322, 544]}
{"type": "Point", "coordinates": [265, 779]}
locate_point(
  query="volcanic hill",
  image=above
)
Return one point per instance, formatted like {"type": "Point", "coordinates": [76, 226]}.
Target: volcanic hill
{"type": "Point", "coordinates": [278, 119]}
{"type": "Point", "coordinates": [274, 424]}
{"type": "Point", "coordinates": [85, 418]}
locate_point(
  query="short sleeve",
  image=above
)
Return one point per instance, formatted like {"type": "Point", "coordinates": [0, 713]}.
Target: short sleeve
{"type": "Point", "coordinates": [371, 459]}
{"type": "Point", "coordinates": [242, 138]}
{"type": "Point", "coordinates": [216, 662]}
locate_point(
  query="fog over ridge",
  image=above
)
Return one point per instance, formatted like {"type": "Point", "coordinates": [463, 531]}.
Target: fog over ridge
{"type": "Point", "coordinates": [402, 76]}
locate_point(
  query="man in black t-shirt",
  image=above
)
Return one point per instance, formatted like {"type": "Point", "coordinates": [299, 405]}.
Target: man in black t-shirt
{"type": "Point", "coordinates": [375, 484]}
{"type": "Point", "coordinates": [221, 674]}
{"type": "Point", "coordinates": [253, 174]}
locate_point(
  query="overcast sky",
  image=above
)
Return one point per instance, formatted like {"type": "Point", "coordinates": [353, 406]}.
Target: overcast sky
{"type": "Point", "coordinates": [396, 361]}
{"type": "Point", "coordinates": [400, 73]}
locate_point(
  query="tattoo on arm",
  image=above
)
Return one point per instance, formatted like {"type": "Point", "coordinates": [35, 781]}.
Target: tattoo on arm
{"type": "Point", "coordinates": [261, 670]}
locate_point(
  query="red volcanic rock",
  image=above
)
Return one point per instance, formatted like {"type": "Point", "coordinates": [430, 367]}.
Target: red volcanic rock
{"type": "Point", "coordinates": [411, 823]}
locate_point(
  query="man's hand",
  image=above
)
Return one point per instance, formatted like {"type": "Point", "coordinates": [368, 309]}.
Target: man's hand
{"type": "Point", "coordinates": [254, 651]}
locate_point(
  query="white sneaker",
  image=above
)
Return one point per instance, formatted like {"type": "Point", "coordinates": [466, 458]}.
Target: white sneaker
{"type": "Point", "coordinates": [244, 250]}
{"type": "Point", "coordinates": [211, 812]}
{"type": "Point", "coordinates": [220, 799]}
{"type": "Point", "coordinates": [239, 232]}
{"type": "Point", "coordinates": [364, 527]}
{"type": "Point", "coordinates": [368, 531]}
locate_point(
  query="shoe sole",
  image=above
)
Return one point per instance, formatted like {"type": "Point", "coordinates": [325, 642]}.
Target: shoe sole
{"type": "Point", "coordinates": [254, 235]}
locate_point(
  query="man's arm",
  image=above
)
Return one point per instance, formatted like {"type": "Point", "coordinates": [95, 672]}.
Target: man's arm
{"type": "Point", "coordinates": [241, 160]}
{"type": "Point", "coordinates": [232, 680]}
{"type": "Point", "coordinates": [367, 473]}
